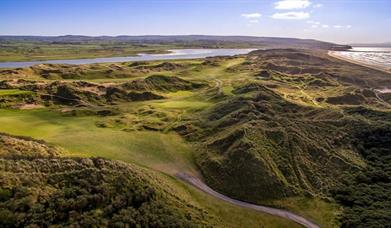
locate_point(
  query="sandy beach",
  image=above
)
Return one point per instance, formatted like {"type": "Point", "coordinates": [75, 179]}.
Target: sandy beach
{"type": "Point", "coordinates": [362, 63]}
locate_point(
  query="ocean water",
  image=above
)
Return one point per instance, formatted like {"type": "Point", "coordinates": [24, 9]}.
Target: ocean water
{"type": "Point", "coordinates": [174, 54]}
{"type": "Point", "coordinates": [377, 56]}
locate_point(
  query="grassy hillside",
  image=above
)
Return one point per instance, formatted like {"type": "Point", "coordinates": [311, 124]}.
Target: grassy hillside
{"type": "Point", "coordinates": [283, 149]}
{"type": "Point", "coordinates": [104, 71]}
{"type": "Point", "coordinates": [39, 188]}
{"type": "Point", "coordinates": [84, 192]}
{"type": "Point", "coordinates": [292, 129]}
{"type": "Point", "coordinates": [276, 127]}
{"type": "Point", "coordinates": [366, 194]}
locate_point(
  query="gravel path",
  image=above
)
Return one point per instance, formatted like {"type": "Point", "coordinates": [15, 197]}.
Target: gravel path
{"type": "Point", "coordinates": [196, 182]}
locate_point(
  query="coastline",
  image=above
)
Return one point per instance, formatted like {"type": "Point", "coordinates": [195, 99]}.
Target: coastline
{"type": "Point", "coordinates": [361, 63]}
{"type": "Point", "coordinates": [173, 54]}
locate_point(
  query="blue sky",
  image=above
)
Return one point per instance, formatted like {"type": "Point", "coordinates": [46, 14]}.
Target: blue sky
{"type": "Point", "coordinates": [330, 20]}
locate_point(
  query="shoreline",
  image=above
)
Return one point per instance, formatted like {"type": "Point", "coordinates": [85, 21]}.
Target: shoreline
{"type": "Point", "coordinates": [357, 62]}
{"type": "Point", "coordinates": [173, 54]}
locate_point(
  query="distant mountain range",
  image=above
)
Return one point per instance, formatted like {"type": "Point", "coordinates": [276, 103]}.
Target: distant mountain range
{"type": "Point", "coordinates": [182, 39]}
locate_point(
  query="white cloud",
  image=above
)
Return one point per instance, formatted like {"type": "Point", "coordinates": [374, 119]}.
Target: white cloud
{"type": "Point", "coordinates": [252, 18]}
{"type": "Point", "coordinates": [292, 4]}
{"type": "Point", "coordinates": [313, 22]}
{"type": "Point", "coordinates": [316, 24]}
{"type": "Point", "coordinates": [318, 5]}
{"type": "Point", "coordinates": [251, 15]}
{"type": "Point", "coordinates": [342, 26]}
{"type": "Point", "coordinates": [291, 15]}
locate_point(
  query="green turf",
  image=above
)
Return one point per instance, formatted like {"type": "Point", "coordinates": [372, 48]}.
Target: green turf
{"type": "Point", "coordinates": [13, 92]}
{"type": "Point", "coordinates": [81, 137]}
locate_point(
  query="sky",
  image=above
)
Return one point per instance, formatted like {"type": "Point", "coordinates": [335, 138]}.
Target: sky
{"type": "Point", "coordinates": [345, 22]}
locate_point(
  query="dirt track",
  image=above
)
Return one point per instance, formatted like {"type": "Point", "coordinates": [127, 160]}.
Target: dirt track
{"type": "Point", "coordinates": [196, 182]}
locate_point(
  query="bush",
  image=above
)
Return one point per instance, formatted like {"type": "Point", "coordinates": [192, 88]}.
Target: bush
{"type": "Point", "coordinates": [366, 195]}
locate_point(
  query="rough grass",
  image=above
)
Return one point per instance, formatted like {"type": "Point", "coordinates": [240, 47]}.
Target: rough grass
{"type": "Point", "coordinates": [232, 216]}
{"type": "Point", "coordinates": [324, 213]}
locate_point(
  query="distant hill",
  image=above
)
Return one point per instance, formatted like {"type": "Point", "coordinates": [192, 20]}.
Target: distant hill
{"type": "Point", "coordinates": [386, 44]}
{"type": "Point", "coordinates": [181, 39]}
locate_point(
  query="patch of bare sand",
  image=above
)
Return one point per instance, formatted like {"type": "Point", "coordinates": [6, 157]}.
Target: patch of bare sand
{"type": "Point", "coordinates": [30, 106]}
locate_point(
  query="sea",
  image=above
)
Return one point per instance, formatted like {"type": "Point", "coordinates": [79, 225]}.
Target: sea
{"type": "Point", "coordinates": [377, 56]}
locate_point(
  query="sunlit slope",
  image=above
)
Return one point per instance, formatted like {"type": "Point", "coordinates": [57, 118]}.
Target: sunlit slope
{"type": "Point", "coordinates": [41, 187]}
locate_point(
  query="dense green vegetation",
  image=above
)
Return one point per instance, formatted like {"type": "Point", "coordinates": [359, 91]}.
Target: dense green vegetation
{"type": "Point", "coordinates": [38, 189]}
{"type": "Point", "coordinates": [276, 127]}
{"type": "Point", "coordinates": [366, 195]}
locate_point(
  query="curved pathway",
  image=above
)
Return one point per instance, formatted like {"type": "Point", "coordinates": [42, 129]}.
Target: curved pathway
{"type": "Point", "coordinates": [196, 182]}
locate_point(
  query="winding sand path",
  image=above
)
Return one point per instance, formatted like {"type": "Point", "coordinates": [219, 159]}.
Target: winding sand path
{"type": "Point", "coordinates": [196, 182]}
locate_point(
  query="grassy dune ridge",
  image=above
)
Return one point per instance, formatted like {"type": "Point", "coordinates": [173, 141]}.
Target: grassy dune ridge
{"type": "Point", "coordinates": [165, 201]}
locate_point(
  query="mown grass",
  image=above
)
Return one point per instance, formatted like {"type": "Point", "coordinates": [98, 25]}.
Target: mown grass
{"type": "Point", "coordinates": [80, 136]}
{"type": "Point", "coordinates": [13, 92]}
{"type": "Point", "coordinates": [181, 104]}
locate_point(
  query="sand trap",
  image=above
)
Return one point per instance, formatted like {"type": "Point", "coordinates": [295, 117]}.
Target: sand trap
{"type": "Point", "coordinates": [30, 106]}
